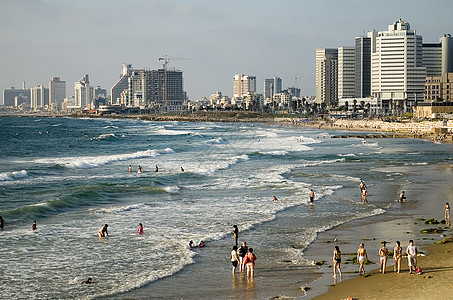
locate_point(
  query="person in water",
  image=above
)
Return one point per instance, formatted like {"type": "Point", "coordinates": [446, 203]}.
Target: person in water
{"type": "Point", "coordinates": [235, 233]}
{"type": "Point", "coordinates": [402, 197]}
{"type": "Point", "coordinates": [182, 169]}
{"type": "Point", "coordinates": [312, 195]}
{"type": "Point", "coordinates": [33, 226]}
{"type": "Point", "coordinates": [2, 223]}
{"type": "Point", "coordinates": [361, 257]}
{"type": "Point", "coordinates": [140, 228]}
{"type": "Point", "coordinates": [201, 244]}
{"type": "Point", "coordinates": [157, 169]}
{"type": "Point", "coordinates": [249, 261]}
{"type": "Point", "coordinates": [364, 195]}
{"type": "Point", "coordinates": [130, 169]}
{"type": "Point", "coordinates": [336, 261]}
{"type": "Point", "coordinates": [191, 244]}
{"type": "Point", "coordinates": [383, 252]}
{"type": "Point", "coordinates": [103, 231]}
{"type": "Point", "coordinates": [362, 186]}
{"type": "Point", "coordinates": [234, 258]}
{"type": "Point", "coordinates": [274, 198]}
{"type": "Point", "coordinates": [139, 170]}
{"type": "Point", "coordinates": [446, 217]}
{"type": "Point", "coordinates": [88, 281]}
{"type": "Point", "coordinates": [242, 251]}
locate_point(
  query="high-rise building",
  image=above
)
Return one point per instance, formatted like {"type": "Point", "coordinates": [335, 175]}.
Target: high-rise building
{"type": "Point", "coordinates": [346, 72]}
{"type": "Point", "coordinates": [439, 89]}
{"type": "Point", "coordinates": [57, 93]}
{"type": "Point", "coordinates": [438, 57]}
{"type": "Point", "coordinates": [397, 72]}
{"type": "Point", "coordinates": [362, 67]}
{"type": "Point", "coordinates": [39, 98]}
{"type": "Point", "coordinates": [327, 76]}
{"type": "Point", "coordinates": [10, 94]}
{"type": "Point", "coordinates": [243, 85]}
{"type": "Point", "coordinates": [122, 84]}
{"type": "Point", "coordinates": [83, 92]}
{"type": "Point", "coordinates": [276, 83]}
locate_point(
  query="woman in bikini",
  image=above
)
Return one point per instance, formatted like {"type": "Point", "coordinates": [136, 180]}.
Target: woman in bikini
{"type": "Point", "coordinates": [336, 261]}
{"type": "Point", "coordinates": [361, 257]}
{"type": "Point", "coordinates": [447, 214]}
{"type": "Point", "coordinates": [397, 256]}
{"type": "Point", "coordinates": [383, 252]}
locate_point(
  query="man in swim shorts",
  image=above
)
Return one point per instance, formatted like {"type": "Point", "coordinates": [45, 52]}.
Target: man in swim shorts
{"type": "Point", "coordinates": [103, 231]}
{"type": "Point", "coordinates": [312, 195]}
{"type": "Point", "coordinates": [33, 226]}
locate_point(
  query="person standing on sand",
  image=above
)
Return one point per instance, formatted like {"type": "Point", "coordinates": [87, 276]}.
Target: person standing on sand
{"type": "Point", "coordinates": [447, 214]}
{"type": "Point", "coordinates": [249, 260]}
{"type": "Point", "coordinates": [411, 252]}
{"type": "Point", "coordinates": [397, 257]}
{"type": "Point", "coordinates": [336, 261]}
{"type": "Point", "coordinates": [361, 257]}
{"type": "Point", "coordinates": [311, 195]}
{"type": "Point", "coordinates": [383, 252]}
{"type": "Point", "coordinates": [242, 251]}
{"type": "Point", "coordinates": [234, 258]}
{"type": "Point", "coordinates": [235, 234]}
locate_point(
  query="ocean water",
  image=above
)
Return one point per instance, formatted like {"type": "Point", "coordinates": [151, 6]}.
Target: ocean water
{"type": "Point", "coordinates": [71, 176]}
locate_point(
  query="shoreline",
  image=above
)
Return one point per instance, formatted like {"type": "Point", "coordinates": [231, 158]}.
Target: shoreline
{"type": "Point", "coordinates": [394, 225]}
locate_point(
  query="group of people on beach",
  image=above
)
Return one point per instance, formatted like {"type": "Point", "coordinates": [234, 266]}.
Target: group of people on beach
{"type": "Point", "coordinates": [362, 258]}
{"type": "Point", "coordinates": [242, 256]}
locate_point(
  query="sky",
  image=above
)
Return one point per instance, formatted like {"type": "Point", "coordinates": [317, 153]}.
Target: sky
{"type": "Point", "coordinates": [210, 41]}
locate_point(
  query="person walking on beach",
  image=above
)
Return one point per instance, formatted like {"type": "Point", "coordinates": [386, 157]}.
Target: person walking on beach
{"type": "Point", "coordinates": [234, 258]}
{"type": "Point", "coordinates": [447, 214]}
{"type": "Point", "coordinates": [311, 195]}
{"type": "Point", "coordinates": [361, 257]}
{"type": "Point", "coordinates": [383, 252]}
{"type": "Point", "coordinates": [140, 228]}
{"type": "Point", "coordinates": [411, 252]}
{"type": "Point", "coordinates": [235, 234]}
{"type": "Point", "coordinates": [336, 261]}
{"type": "Point", "coordinates": [242, 251]}
{"type": "Point", "coordinates": [33, 226]}
{"type": "Point", "coordinates": [249, 261]}
{"type": "Point", "coordinates": [103, 231]}
{"type": "Point", "coordinates": [397, 257]}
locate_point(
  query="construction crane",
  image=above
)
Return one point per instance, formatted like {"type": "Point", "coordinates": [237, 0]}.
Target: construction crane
{"type": "Point", "coordinates": [165, 60]}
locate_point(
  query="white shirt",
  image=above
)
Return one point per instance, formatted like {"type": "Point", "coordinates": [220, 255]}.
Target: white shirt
{"type": "Point", "coordinates": [412, 250]}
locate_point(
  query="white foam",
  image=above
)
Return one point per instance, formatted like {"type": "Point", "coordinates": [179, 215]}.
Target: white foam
{"type": "Point", "coordinates": [87, 162]}
{"type": "Point", "coordinates": [9, 176]}
{"type": "Point", "coordinates": [276, 152]}
{"type": "Point", "coordinates": [172, 189]}
{"type": "Point", "coordinates": [347, 155]}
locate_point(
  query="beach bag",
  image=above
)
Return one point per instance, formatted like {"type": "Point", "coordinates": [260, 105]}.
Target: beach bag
{"type": "Point", "coordinates": [418, 271]}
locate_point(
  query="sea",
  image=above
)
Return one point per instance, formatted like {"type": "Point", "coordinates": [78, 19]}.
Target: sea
{"type": "Point", "coordinates": [71, 176]}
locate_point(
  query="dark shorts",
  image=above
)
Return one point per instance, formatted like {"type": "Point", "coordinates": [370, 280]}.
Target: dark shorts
{"type": "Point", "coordinates": [311, 199]}
{"type": "Point", "coordinates": [234, 263]}
{"type": "Point", "coordinates": [338, 260]}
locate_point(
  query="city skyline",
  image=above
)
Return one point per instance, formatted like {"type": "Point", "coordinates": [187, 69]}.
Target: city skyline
{"type": "Point", "coordinates": [65, 39]}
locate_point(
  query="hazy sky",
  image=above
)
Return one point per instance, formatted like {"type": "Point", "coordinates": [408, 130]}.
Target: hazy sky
{"type": "Point", "coordinates": [41, 39]}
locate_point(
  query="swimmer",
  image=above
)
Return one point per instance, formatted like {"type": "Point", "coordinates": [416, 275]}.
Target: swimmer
{"type": "Point", "coordinates": [235, 233]}
{"type": "Point", "coordinates": [361, 257]}
{"type": "Point", "coordinates": [33, 226]}
{"type": "Point", "coordinates": [274, 198]}
{"type": "Point", "coordinates": [312, 195]}
{"type": "Point", "coordinates": [191, 245]}
{"type": "Point", "coordinates": [140, 228]}
{"type": "Point", "coordinates": [201, 244]}
{"type": "Point", "coordinates": [402, 197]}
{"type": "Point", "coordinates": [383, 252]}
{"type": "Point", "coordinates": [103, 231]}
{"type": "Point", "coordinates": [362, 186]}
{"type": "Point", "coordinates": [157, 169]}
{"type": "Point", "coordinates": [182, 169]}
{"type": "Point", "coordinates": [1, 222]}
{"type": "Point", "coordinates": [139, 170]}
{"type": "Point", "coordinates": [88, 281]}
{"type": "Point", "coordinates": [130, 169]}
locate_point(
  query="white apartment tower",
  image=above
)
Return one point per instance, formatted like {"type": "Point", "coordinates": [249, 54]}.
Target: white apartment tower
{"type": "Point", "coordinates": [57, 93]}
{"type": "Point", "coordinates": [327, 76]}
{"type": "Point", "coordinates": [346, 72]}
{"type": "Point", "coordinates": [84, 93]}
{"type": "Point", "coordinates": [397, 72]}
{"type": "Point", "coordinates": [39, 97]}
{"type": "Point", "coordinates": [243, 85]}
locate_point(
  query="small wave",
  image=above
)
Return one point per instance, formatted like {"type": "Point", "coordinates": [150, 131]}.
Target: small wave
{"type": "Point", "coordinates": [276, 153]}
{"type": "Point", "coordinates": [9, 176]}
{"type": "Point", "coordinates": [217, 141]}
{"type": "Point", "coordinates": [122, 209]}
{"type": "Point", "coordinates": [56, 125]}
{"type": "Point", "coordinates": [172, 189]}
{"type": "Point", "coordinates": [87, 162]}
{"type": "Point", "coordinates": [104, 136]}
{"type": "Point", "coordinates": [110, 126]}
{"type": "Point", "coordinates": [347, 155]}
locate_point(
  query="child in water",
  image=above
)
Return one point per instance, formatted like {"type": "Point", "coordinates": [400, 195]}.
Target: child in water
{"type": "Point", "coordinates": [140, 228]}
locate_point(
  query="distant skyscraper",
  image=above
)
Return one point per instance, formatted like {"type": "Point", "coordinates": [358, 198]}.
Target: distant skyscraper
{"type": "Point", "coordinates": [362, 67]}
{"type": "Point", "coordinates": [10, 94]}
{"type": "Point", "coordinates": [276, 82]}
{"type": "Point", "coordinates": [39, 97]}
{"type": "Point", "coordinates": [243, 85]}
{"type": "Point", "coordinates": [397, 72]}
{"type": "Point", "coordinates": [57, 93]}
{"type": "Point", "coordinates": [346, 72]}
{"type": "Point", "coordinates": [438, 57]}
{"type": "Point", "coordinates": [84, 93]}
{"type": "Point", "coordinates": [327, 76]}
